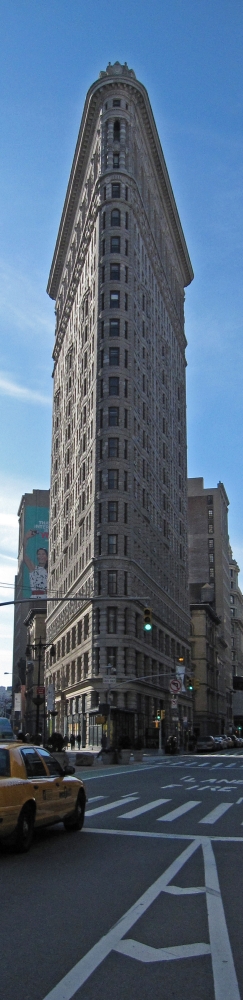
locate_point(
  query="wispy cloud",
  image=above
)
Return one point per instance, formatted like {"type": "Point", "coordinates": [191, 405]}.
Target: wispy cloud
{"type": "Point", "coordinates": [25, 395]}
{"type": "Point", "coordinates": [29, 309]}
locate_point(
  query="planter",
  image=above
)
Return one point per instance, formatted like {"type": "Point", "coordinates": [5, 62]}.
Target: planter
{"type": "Point", "coordinates": [138, 755]}
{"type": "Point", "coordinates": [124, 756]}
{"type": "Point", "coordinates": [108, 758]}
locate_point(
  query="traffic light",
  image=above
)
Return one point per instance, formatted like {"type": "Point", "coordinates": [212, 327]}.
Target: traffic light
{"type": "Point", "coordinates": [189, 684]}
{"type": "Point", "coordinates": [147, 619]}
{"type": "Point", "coordinates": [158, 716]}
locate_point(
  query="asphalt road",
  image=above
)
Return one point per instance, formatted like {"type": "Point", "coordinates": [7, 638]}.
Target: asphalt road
{"type": "Point", "coordinates": [144, 902]}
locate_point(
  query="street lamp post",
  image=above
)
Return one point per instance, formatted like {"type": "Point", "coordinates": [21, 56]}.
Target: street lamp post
{"type": "Point", "coordinates": [39, 648]}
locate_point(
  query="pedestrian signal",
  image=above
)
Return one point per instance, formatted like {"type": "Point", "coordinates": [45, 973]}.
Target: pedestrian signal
{"type": "Point", "coordinates": [147, 619]}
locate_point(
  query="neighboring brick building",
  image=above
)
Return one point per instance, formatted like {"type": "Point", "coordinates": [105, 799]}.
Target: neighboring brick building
{"type": "Point", "coordinates": [208, 548]}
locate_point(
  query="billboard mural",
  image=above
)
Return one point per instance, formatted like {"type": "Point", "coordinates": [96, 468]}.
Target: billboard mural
{"type": "Point", "coordinates": [35, 555]}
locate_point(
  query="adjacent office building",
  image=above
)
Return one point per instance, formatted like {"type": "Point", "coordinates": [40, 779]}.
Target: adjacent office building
{"type": "Point", "coordinates": [118, 513]}
{"type": "Point", "coordinates": [31, 579]}
{"type": "Point", "coordinates": [209, 585]}
{"type": "Point", "coordinates": [236, 611]}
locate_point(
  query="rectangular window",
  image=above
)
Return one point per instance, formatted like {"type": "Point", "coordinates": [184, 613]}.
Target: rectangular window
{"type": "Point", "coordinates": [125, 545]}
{"type": "Point", "coordinates": [112, 510]}
{"type": "Point", "coordinates": [101, 418]}
{"type": "Point", "coordinates": [74, 637]}
{"type": "Point", "coordinates": [125, 583]}
{"type": "Point", "coordinates": [113, 416]}
{"type": "Point", "coordinates": [116, 160]}
{"type": "Point", "coordinates": [99, 544]}
{"type": "Point", "coordinates": [113, 447]}
{"type": "Point", "coordinates": [126, 329]}
{"type": "Point", "coordinates": [113, 479]}
{"type": "Point", "coordinates": [112, 582]}
{"type": "Point", "coordinates": [103, 220]}
{"type": "Point", "coordinates": [103, 248]}
{"type": "Point", "coordinates": [114, 356]}
{"type": "Point", "coordinates": [113, 385]}
{"type": "Point", "coordinates": [125, 513]}
{"type": "Point", "coordinates": [101, 448]}
{"type": "Point", "coordinates": [111, 657]}
{"type": "Point", "coordinates": [114, 300]}
{"type": "Point", "coordinates": [115, 272]}
{"type": "Point", "coordinates": [126, 248]}
{"type": "Point", "coordinates": [100, 479]}
{"type": "Point", "coordinates": [126, 275]}
{"type": "Point", "coordinates": [126, 359]}
{"type": "Point", "coordinates": [114, 327]}
{"type": "Point", "coordinates": [112, 545]}
{"type": "Point", "coordinates": [125, 448]}
{"type": "Point", "coordinates": [99, 582]}
{"type": "Point", "coordinates": [125, 480]}
{"type": "Point", "coordinates": [115, 244]}
{"type": "Point", "coordinates": [111, 621]}
{"type": "Point", "coordinates": [125, 388]}
{"type": "Point", "coordinates": [100, 513]}
{"type": "Point", "coordinates": [126, 193]}
{"type": "Point", "coordinates": [127, 220]}
{"type": "Point", "coordinates": [125, 418]}
{"type": "Point", "coordinates": [116, 102]}
{"type": "Point", "coordinates": [116, 190]}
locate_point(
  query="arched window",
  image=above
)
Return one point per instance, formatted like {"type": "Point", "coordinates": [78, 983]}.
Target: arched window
{"type": "Point", "coordinates": [116, 131]}
{"type": "Point", "coordinates": [115, 217]}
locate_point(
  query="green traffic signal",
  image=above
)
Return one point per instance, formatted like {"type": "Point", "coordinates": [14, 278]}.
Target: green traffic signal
{"type": "Point", "coordinates": [147, 619]}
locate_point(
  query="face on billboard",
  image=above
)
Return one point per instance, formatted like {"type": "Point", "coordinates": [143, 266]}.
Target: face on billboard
{"type": "Point", "coordinates": [36, 535]}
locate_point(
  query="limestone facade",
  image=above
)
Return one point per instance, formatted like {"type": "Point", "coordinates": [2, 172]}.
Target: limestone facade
{"type": "Point", "coordinates": [118, 517]}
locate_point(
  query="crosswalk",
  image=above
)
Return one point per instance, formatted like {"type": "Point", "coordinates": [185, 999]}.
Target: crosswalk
{"type": "Point", "coordinates": [173, 815]}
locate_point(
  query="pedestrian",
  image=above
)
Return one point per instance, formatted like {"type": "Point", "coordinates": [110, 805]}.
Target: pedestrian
{"type": "Point", "coordinates": [72, 741]}
{"type": "Point", "coordinates": [79, 740]}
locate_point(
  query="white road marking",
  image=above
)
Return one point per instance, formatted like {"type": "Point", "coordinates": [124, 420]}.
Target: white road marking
{"type": "Point", "coordinates": [216, 813]}
{"type": "Point", "coordinates": [160, 836]}
{"type": "Point", "coordinates": [143, 809]}
{"type": "Point", "coordinates": [109, 805]}
{"type": "Point", "coordinates": [176, 813]}
{"type": "Point", "coordinates": [143, 953]}
{"type": "Point", "coordinates": [96, 798]}
{"type": "Point", "coordinates": [239, 801]}
{"type": "Point", "coordinates": [80, 972]}
{"type": "Point", "coordinates": [216, 765]}
{"type": "Point", "coordinates": [225, 981]}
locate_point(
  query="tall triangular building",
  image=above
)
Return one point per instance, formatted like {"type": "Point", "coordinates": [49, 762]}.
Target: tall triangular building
{"type": "Point", "coordinates": [118, 531]}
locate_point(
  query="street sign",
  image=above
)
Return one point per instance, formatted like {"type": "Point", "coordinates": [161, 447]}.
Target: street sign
{"type": "Point", "coordinates": [175, 718]}
{"type": "Point", "coordinates": [17, 702]}
{"type": "Point", "coordinates": [174, 702]}
{"type": "Point", "coordinates": [109, 682]}
{"type": "Point", "coordinates": [100, 720]}
{"type": "Point", "coordinates": [175, 685]}
{"type": "Point", "coordinates": [41, 691]}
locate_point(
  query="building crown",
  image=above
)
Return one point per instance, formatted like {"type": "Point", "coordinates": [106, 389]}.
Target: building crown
{"type": "Point", "coordinates": [117, 70]}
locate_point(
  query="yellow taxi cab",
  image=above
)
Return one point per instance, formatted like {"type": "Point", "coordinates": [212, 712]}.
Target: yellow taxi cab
{"type": "Point", "coordinates": [36, 791]}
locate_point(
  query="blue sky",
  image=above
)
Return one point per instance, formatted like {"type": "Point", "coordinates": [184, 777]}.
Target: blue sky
{"type": "Point", "coordinates": [189, 56]}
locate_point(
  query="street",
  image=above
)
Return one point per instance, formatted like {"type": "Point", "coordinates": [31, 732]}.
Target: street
{"type": "Point", "coordinates": [145, 901]}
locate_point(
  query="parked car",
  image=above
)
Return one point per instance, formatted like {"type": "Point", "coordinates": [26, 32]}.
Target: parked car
{"type": "Point", "coordinates": [236, 741]}
{"type": "Point", "coordinates": [220, 742]}
{"type": "Point", "coordinates": [6, 732]}
{"type": "Point", "coordinates": [205, 744]}
{"type": "Point", "coordinates": [36, 791]}
{"type": "Point", "coordinates": [230, 743]}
